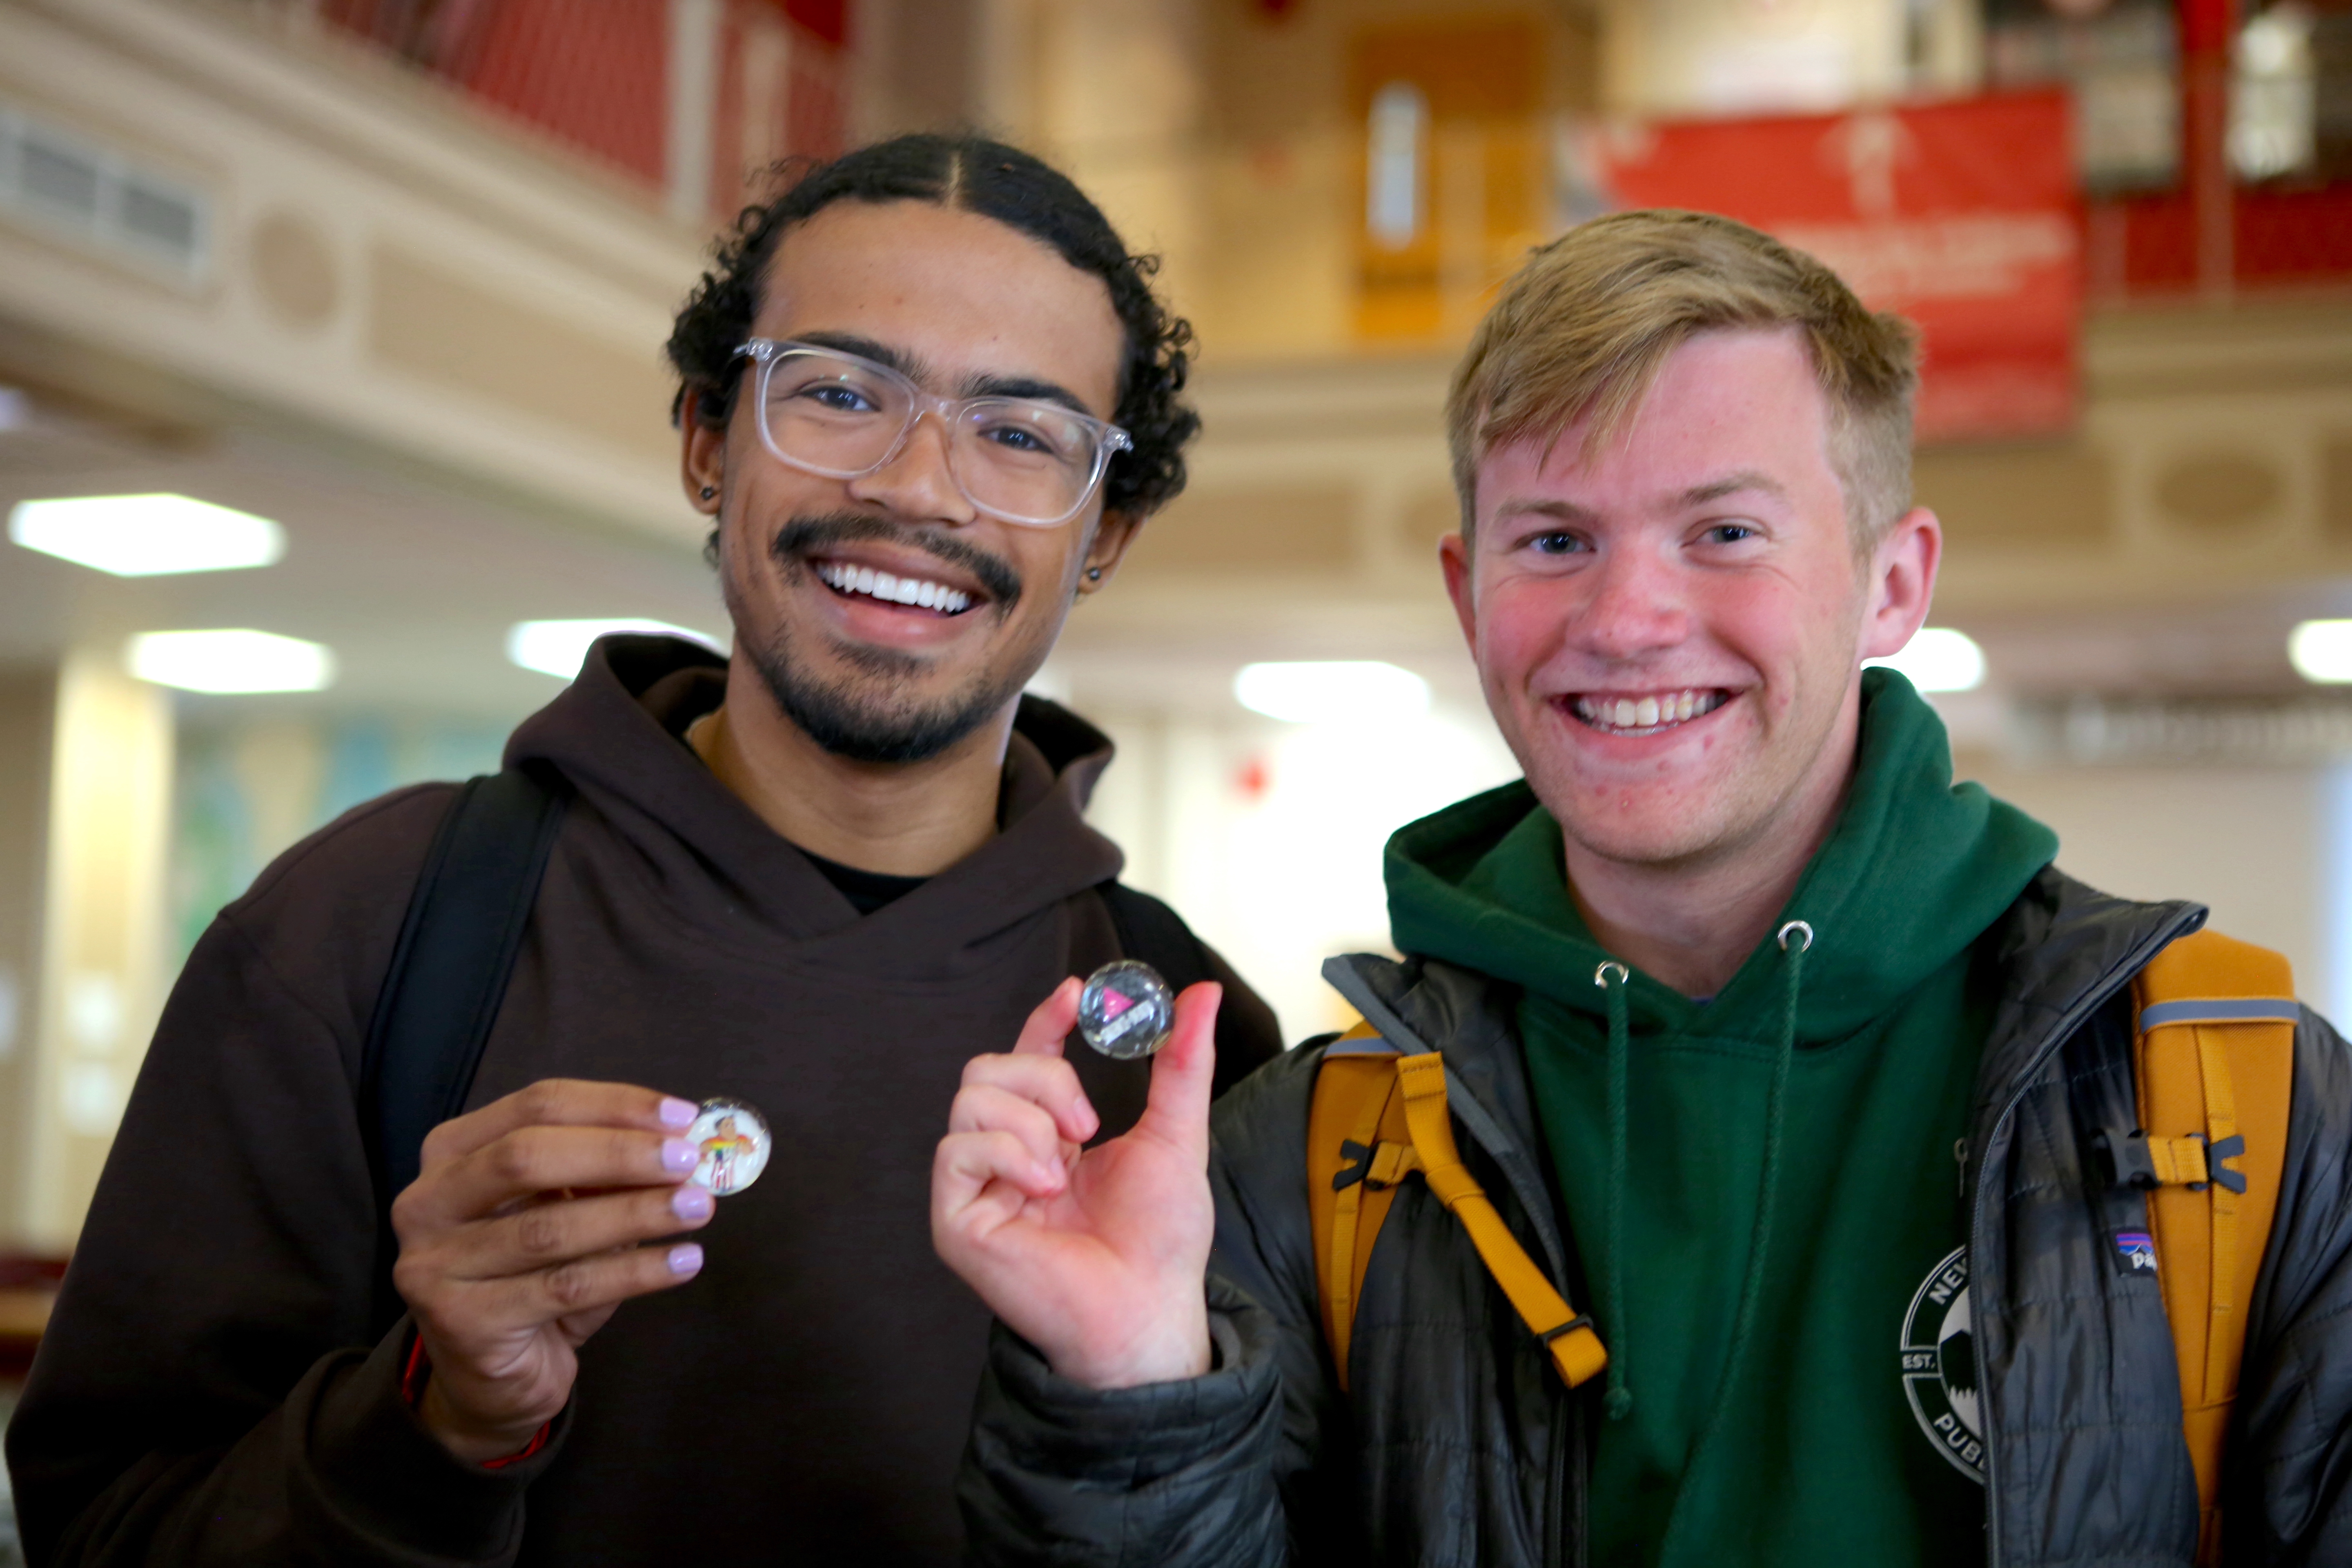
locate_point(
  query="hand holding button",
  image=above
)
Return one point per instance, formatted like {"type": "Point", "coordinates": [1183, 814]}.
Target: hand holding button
{"type": "Point", "coordinates": [526, 1229]}
{"type": "Point", "coordinates": [1098, 1256]}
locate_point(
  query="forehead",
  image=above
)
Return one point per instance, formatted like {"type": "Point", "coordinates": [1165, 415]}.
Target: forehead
{"type": "Point", "coordinates": [964, 295]}
{"type": "Point", "coordinates": [1728, 401]}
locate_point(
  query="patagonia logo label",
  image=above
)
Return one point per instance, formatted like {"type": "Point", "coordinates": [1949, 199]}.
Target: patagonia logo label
{"type": "Point", "coordinates": [2136, 1251]}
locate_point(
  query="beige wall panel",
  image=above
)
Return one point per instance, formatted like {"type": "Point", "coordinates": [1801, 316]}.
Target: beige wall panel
{"type": "Point", "coordinates": [102, 973]}
{"type": "Point", "coordinates": [429, 324]}
{"type": "Point", "coordinates": [26, 708]}
{"type": "Point", "coordinates": [1249, 532]}
{"type": "Point", "coordinates": [2057, 494]}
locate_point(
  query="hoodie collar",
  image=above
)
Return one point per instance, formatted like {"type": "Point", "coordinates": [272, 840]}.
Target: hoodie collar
{"type": "Point", "coordinates": [1916, 868]}
{"type": "Point", "coordinates": [616, 735]}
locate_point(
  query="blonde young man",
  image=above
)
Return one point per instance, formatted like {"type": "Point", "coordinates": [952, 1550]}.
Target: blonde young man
{"type": "Point", "coordinates": [1779, 1053]}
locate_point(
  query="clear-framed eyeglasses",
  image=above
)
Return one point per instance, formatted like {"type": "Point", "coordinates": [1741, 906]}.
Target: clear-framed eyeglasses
{"type": "Point", "coordinates": [841, 417]}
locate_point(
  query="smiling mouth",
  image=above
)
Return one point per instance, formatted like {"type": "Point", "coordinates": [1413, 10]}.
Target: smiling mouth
{"type": "Point", "coordinates": [1645, 712]}
{"type": "Point", "coordinates": [914, 592]}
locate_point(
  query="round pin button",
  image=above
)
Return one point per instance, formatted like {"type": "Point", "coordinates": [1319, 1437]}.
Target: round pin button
{"type": "Point", "coordinates": [1125, 1010]}
{"type": "Point", "coordinates": [735, 1145]}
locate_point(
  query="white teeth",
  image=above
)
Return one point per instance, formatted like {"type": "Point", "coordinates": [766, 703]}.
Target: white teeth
{"type": "Point", "coordinates": [892, 588]}
{"type": "Point", "coordinates": [1647, 715]}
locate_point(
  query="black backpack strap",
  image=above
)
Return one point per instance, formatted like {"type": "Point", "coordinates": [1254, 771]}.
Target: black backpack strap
{"type": "Point", "coordinates": [448, 975]}
{"type": "Point", "coordinates": [1150, 931]}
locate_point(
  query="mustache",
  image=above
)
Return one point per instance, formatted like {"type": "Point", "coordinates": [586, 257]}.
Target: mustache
{"type": "Point", "coordinates": [805, 536]}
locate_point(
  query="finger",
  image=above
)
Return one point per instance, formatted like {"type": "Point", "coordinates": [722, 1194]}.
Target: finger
{"type": "Point", "coordinates": [1182, 1072]}
{"type": "Point", "coordinates": [586, 1284]}
{"type": "Point", "coordinates": [1051, 1021]}
{"type": "Point", "coordinates": [985, 1108]}
{"type": "Point", "coordinates": [1049, 1081]}
{"type": "Point", "coordinates": [546, 1235]}
{"type": "Point", "coordinates": [968, 1162]}
{"type": "Point", "coordinates": [560, 1102]}
{"type": "Point", "coordinates": [534, 1160]}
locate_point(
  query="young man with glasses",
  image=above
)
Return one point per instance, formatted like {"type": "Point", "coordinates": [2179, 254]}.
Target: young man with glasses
{"type": "Point", "coordinates": [927, 399]}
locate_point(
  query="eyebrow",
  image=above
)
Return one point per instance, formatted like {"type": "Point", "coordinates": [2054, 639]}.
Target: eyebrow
{"type": "Point", "coordinates": [1544, 506]}
{"type": "Point", "coordinates": [1732, 484]}
{"type": "Point", "coordinates": [914, 370]}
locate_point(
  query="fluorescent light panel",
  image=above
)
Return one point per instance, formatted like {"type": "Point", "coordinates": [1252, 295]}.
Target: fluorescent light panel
{"type": "Point", "coordinates": [1938, 659]}
{"type": "Point", "coordinates": [146, 535]}
{"type": "Point", "coordinates": [1318, 690]}
{"type": "Point", "coordinates": [557, 647]}
{"type": "Point", "coordinates": [235, 660]}
{"type": "Point", "coordinates": [2321, 651]}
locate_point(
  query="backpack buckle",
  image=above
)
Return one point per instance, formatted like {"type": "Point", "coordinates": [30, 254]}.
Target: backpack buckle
{"type": "Point", "coordinates": [2126, 1160]}
{"type": "Point", "coordinates": [1359, 1164]}
{"type": "Point", "coordinates": [2231, 1148]}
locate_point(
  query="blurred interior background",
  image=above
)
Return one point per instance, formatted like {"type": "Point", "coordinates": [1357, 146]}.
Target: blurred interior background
{"type": "Point", "coordinates": [391, 276]}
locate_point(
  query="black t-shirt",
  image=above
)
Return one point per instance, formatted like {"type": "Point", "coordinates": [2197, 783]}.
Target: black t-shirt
{"type": "Point", "coordinates": [865, 890]}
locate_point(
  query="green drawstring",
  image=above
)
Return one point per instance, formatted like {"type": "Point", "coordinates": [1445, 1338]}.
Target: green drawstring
{"type": "Point", "coordinates": [1620, 1402]}
{"type": "Point", "coordinates": [1775, 1116]}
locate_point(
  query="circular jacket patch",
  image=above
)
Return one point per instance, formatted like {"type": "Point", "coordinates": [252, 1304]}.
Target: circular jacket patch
{"type": "Point", "coordinates": [1939, 1366]}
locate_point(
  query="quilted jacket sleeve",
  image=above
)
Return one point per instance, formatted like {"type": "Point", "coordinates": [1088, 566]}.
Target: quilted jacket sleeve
{"type": "Point", "coordinates": [1222, 1471]}
{"type": "Point", "coordinates": [2287, 1487]}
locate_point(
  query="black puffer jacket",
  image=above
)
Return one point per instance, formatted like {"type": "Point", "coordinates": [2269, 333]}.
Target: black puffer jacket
{"type": "Point", "coordinates": [1460, 1446]}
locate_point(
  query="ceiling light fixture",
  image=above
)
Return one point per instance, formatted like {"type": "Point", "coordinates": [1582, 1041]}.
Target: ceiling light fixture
{"type": "Point", "coordinates": [146, 535]}
{"type": "Point", "coordinates": [557, 647]}
{"type": "Point", "coordinates": [2321, 651]}
{"type": "Point", "coordinates": [1938, 659]}
{"type": "Point", "coordinates": [1316, 691]}
{"type": "Point", "coordinates": [237, 660]}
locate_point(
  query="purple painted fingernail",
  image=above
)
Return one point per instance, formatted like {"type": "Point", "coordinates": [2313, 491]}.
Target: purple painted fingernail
{"type": "Point", "coordinates": [690, 1202]}
{"type": "Point", "coordinates": [686, 1258]}
{"type": "Point", "coordinates": [676, 1112]}
{"type": "Point", "coordinates": [679, 1155]}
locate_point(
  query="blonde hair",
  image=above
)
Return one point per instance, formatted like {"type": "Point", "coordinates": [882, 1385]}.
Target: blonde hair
{"type": "Point", "coordinates": [1585, 326]}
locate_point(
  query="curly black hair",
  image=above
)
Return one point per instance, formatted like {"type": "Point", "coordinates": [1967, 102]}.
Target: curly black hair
{"type": "Point", "coordinates": [973, 175]}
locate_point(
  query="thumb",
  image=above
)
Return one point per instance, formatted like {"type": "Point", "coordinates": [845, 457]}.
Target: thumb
{"type": "Point", "coordinates": [1182, 1074]}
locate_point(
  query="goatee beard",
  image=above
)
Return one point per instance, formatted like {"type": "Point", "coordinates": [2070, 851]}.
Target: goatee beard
{"type": "Point", "coordinates": [851, 718]}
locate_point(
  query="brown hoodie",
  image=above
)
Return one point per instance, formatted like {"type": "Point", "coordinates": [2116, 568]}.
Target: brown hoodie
{"type": "Point", "coordinates": [207, 1392]}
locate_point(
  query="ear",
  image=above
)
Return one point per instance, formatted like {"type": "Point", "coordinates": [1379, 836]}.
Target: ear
{"type": "Point", "coordinates": [1901, 582]}
{"type": "Point", "coordinates": [702, 458]}
{"type": "Point", "coordinates": [1108, 548]}
{"type": "Point", "coordinates": [1454, 558]}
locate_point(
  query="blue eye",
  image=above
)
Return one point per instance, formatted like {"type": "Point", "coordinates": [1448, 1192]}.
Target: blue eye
{"type": "Point", "coordinates": [1556, 543]}
{"type": "Point", "coordinates": [1730, 532]}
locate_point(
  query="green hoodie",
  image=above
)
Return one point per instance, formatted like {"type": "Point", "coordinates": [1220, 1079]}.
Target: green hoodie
{"type": "Point", "coordinates": [1842, 1425]}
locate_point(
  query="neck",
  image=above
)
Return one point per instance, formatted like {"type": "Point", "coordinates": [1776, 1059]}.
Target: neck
{"type": "Point", "coordinates": [1692, 923]}
{"type": "Point", "coordinates": [904, 819]}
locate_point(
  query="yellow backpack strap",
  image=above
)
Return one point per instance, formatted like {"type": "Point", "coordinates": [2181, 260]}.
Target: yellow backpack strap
{"type": "Point", "coordinates": [1356, 1151]}
{"type": "Point", "coordinates": [2214, 1060]}
{"type": "Point", "coordinates": [1575, 1348]}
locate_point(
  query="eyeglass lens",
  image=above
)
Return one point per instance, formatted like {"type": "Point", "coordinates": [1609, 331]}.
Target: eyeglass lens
{"type": "Point", "coordinates": [1019, 458]}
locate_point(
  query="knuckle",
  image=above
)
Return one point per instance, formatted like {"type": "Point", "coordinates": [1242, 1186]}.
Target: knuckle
{"type": "Point", "coordinates": [539, 1234]}
{"type": "Point", "coordinates": [572, 1286]}
{"type": "Point", "coordinates": [540, 1102]}
{"type": "Point", "coordinates": [514, 1160]}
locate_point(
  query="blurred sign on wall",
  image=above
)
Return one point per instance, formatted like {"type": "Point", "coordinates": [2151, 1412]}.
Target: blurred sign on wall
{"type": "Point", "coordinates": [1964, 216]}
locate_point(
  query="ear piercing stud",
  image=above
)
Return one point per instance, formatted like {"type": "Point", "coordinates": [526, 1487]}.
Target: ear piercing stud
{"type": "Point", "coordinates": [1094, 573]}
{"type": "Point", "coordinates": [708, 492]}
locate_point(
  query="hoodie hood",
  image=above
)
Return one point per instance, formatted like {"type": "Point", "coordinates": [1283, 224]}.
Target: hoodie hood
{"type": "Point", "coordinates": [616, 734]}
{"type": "Point", "coordinates": [1916, 868]}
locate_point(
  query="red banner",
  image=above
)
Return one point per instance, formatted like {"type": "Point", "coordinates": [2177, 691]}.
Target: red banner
{"type": "Point", "coordinates": [1964, 216]}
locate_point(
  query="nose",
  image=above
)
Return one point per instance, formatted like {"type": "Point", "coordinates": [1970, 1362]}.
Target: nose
{"type": "Point", "coordinates": [917, 482]}
{"type": "Point", "coordinates": [1635, 604]}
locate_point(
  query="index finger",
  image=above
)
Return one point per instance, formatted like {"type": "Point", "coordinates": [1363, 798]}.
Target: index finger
{"type": "Point", "coordinates": [1051, 1022]}
{"type": "Point", "coordinates": [560, 1102]}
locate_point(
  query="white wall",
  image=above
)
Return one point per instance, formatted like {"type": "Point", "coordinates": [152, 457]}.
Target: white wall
{"type": "Point", "coordinates": [1267, 837]}
{"type": "Point", "coordinates": [2263, 846]}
